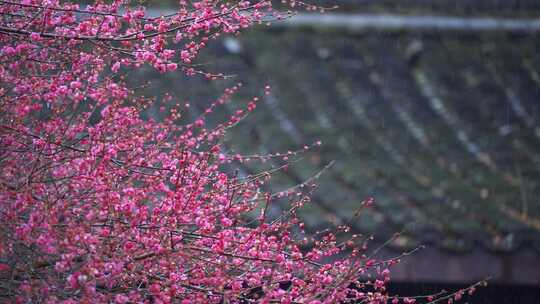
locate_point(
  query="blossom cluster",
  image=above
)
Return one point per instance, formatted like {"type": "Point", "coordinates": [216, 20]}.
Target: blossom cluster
{"type": "Point", "coordinates": [98, 205]}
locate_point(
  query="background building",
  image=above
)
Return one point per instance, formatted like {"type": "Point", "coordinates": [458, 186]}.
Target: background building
{"type": "Point", "coordinates": [431, 108]}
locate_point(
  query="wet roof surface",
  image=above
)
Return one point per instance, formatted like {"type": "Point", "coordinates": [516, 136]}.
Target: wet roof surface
{"type": "Point", "coordinates": [442, 128]}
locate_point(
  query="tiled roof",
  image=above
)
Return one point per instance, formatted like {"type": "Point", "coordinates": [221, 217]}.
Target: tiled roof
{"type": "Point", "coordinates": [443, 129]}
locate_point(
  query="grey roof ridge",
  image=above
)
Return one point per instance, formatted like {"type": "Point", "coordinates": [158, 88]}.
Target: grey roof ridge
{"type": "Point", "coordinates": [386, 21]}
{"type": "Point", "coordinates": [360, 22]}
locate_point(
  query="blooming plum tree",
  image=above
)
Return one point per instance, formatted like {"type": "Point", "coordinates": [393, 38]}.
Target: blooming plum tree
{"type": "Point", "coordinates": [100, 205]}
